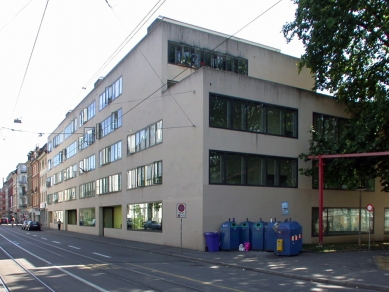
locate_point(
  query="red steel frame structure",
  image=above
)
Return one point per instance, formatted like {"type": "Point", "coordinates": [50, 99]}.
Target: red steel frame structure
{"type": "Point", "coordinates": [321, 179]}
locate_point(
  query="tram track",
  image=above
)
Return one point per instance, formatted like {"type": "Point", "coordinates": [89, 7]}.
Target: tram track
{"type": "Point", "coordinates": [113, 270]}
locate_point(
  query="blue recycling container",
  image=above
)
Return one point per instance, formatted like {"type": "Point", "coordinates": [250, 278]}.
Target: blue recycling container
{"type": "Point", "coordinates": [258, 235]}
{"type": "Point", "coordinates": [229, 236]}
{"type": "Point", "coordinates": [270, 236]}
{"type": "Point", "coordinates": [245, 232]}
{"type": "Point", "coordinates": [289, 238]}
{"type": "Point", "coordinates": [212, 241]}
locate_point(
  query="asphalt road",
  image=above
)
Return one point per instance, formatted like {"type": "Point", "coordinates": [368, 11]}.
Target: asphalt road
{"type": "Point", "coordinates": [46, 261]}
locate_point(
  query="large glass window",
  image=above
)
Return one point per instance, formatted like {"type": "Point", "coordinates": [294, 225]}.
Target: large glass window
{"type": "Point", "coordinates": [111, 153]}
{"type": "Point", "coordinates": [386, 224]}
{"type": "Point", "coordinates": [244, 115]}
{"type": "Point", "coordinates": [250, 169]}
{"type": "Point", "coordinates": [145, 138]}
{"type": "Point", "coordinates": [342, 221]}
{"type": "Point", "coordinates": [190, 56]}
{"type": "Point", "coordinates": [109, 184]}
{"type": "Point", "coordinates": [87, 164]}
{"type": "Point", "coordinates": [87, 113]}
{"type": "Point", "coordinates": [145, 216]}
{"type": "Point", "coordinates": [110, 93]}
{"type": "Point", "coordinates": [87, 217]}
{"type": "Point", "coordinates": [70, 194]}
{"type": "Point", "coordinates": [145, 175]}
{"type": "Point", "coordinates": [87, 190]}
{"type": "Point", "coordinates": [327, 126]}
{"type": "Point", "coordinates": [110, 124]}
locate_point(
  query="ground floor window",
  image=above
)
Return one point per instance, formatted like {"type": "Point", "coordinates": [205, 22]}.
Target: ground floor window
{"type": "Point", "coordinates": [145, 216]}
{"type": "Point", "coordinates": [58, 215]}
{"type": "Point", "coordinates": [342, 221]}
{"type": "Point", "coordinates": [87, 217]}
{"type": "Point", "coordinates": [386, 224]}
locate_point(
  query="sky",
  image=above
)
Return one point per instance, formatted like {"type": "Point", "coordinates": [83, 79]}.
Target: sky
{"type": "Point", "coordinates": [51, 50]}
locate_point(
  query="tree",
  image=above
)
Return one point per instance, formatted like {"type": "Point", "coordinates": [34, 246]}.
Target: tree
{"type": "Point", "coordinates": [346, 49]}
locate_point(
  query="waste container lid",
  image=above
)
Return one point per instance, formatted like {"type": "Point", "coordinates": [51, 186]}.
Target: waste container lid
{"type": "Point", "coordinates": [211, 233]}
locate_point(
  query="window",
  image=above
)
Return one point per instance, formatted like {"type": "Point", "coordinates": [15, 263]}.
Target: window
{"type": "Point", "coordinates": [191, 56]}
{"type": "Point", "coordinates": [70, 194]}
{"type": "Point", "coordinates": [87, 113]}
{"type": "Point", "coordinates": [145, 217]}
{"type": "Point", "coordinates": [248, 169]}
{"type": "Point", "coordinates": [146, 175]}
{"type": "Point", "coordinates": [87, 139]}
{"type": "Point", "coordinates": [342, 221]}
{"type": "Point", "coordinates": [87, 217]}
{"type": "Point", "coordinates": [70, 172]}
{"type": "Point", "coordinates": [87, 190]}
{"type": "Point", "coordinates": [369, 183]}
{"type": "Point", "coordinates": [110, 93]}
{"type": "Point", "coordinates": [87, 164]}
{"type": "Point", "coordinates": [145, 138]}
{"type": "Point", "coordinates": [58, 159]}
{"type": "Point", "coordinates": [110, 124]}
{"type": "Point", "coordinates": [109, 184]}
{"type": "Point", "coordinates": [70, 151]}
{"type": "Point", "coordinates": [70, 129]}
{"type": "Point", "coordinates": [386, 224]}
{"type": "Point", "coordinates": [111, 153]}
{"type": "Point", "coordinates": [327, 126]}
{"type": "Point", "coordinates": [244, 115]}
{"type": "Point", "coordinates": [57, 140]}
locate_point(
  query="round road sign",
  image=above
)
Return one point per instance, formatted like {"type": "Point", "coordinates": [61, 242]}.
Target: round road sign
{"type": "Point", "coordinates": [370, 208]}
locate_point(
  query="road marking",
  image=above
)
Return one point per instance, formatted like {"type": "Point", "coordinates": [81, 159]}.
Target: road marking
{"type": "Point", "coordinates": [73, 247]}
{"type": "Point", "coordinates": [61, 269]}
{"type": "Point", "coordinates": [44, 238]}
{"type": "Point", "coordinates": [102, 255]}
{"type": "Point", "coordinates": [56, 242]}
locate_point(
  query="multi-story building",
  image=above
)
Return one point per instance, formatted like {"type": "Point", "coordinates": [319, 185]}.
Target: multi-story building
{"type": "Point", "coordinates": [19, 197]}
{"type": "Point", "coordinates": [196, 124]}
{"type": "Point", "coordinates": [3, 201]}
{"type": "Point", "coordinates": [42, 161]}
{"type": "Point", "coordinates": [9, 193]}
{"type": "Point", "coordinates": [34, 165]}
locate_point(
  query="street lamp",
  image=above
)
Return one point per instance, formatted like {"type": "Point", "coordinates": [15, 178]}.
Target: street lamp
{"type": "Point", "coordinates": [360, 190]}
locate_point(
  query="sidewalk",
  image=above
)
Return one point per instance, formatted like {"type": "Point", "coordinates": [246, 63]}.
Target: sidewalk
{"type": "Point", "coordinates": [352, 269]}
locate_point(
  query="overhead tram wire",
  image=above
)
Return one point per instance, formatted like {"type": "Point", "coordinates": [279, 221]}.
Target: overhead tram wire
{"type": "Point", "coordinates": [193, 125]}
{"type": "Point", "coordinates": [211, 50]}
{"type": "Point", "coordinates": [15, 16]}
{"type": "Point", "coordinates": [29, 60]}
{"type": "Point", "coordinates": [164, 84]}
{"type": "Point", "coordinates": [121, 46]}
{"type": "Point", "coordinates": [247, 24]}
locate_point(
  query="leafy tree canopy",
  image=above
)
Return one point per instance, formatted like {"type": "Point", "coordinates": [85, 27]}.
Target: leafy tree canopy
{"type": "Point", "coordinates": [346, 48]}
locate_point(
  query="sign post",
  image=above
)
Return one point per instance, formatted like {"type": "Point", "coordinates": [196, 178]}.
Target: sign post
{"type": "Point", "coordinates": [370, 209]}
{"type": "Point", "coordinates": [181, 213]}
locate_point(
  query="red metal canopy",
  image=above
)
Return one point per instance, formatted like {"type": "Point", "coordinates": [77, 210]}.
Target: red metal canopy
{"type": "Point", "coordinates": [321, 180]}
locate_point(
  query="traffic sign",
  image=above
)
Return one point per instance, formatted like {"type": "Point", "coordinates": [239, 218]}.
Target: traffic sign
{"type": "Point", "coordinates": [181, 210]}
{"type": "Point", "coordinates": [370, 208]}
{"type": "Point", "coordinates": [285, 208]}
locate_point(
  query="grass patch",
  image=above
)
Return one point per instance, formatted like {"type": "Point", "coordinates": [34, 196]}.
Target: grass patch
{"type": "Point", "coordinates": [342, 247]}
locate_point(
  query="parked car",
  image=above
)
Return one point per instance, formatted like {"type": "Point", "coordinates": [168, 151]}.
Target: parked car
{"type": "Point", "coordinates": [4, 220]}
{"type": "Point", "coordinates": [129, 223]}
{"type": "Point", "coordinates": [153, 225]}
{"type": "Point", "coordinates": [25, 223]}
{"type": "Point", "coordinates": [33, 225]}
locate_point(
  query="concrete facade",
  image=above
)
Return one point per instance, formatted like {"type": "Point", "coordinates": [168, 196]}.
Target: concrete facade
{"type": "Point", "coordinates": [187, 140]}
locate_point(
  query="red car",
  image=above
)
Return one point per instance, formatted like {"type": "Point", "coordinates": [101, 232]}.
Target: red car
{"type": "Point", "coordinates": [4, 220]}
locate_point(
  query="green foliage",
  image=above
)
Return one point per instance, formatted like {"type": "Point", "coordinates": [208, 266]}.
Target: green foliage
{"type": "Point", "coordinates": [346, 48]}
